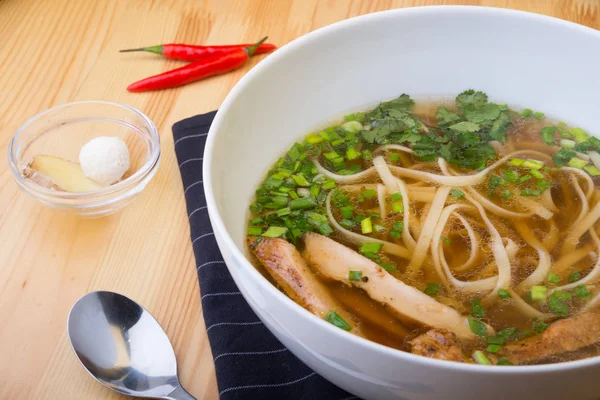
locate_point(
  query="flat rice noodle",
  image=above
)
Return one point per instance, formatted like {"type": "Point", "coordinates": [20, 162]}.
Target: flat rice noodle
{"type": "Point", "coordinates": [548, 202]}
{"type": "Point", "coordinates": [344, 178]}
{"type": "Point", "coordinates": [422, 247]}
{"type": "Point", "coordinates": [588, 179]}
{"type": "Point", "coordinates": [525, 308]}
{"type": "Point", "coordinates": [388, 247]}
{"type": "Point", "coordinates": [552, 236]}
{"type": "Point", "coordinates": [395, 185]}
{"type": "Point", "coordinates": [422, 197]}
{"type": "Point", "coordinates": [574, 234]}
{"type": "Point", "coordinates": [594, 302]}
{"type": "Point", "coordinates": [544, 260]}
{"type": "Point", "coordinates": [535, 207]}
{"type": "Point", "coordinates": [439, 259]}
{"type": "Point", "coordinates": [459, 180]}
{"type": "Point", "coordinates": [381, 192]}
{"type": "Point", "coordinates": [500, 255]}
{"type": "Point", "coordinates": [474, 242]}
{"type": "Point", "coordinates": [495, 209]}
{"type": "Point", "coordinates": [595, 157]}
{"type": "Point", "coordinates": [594, 274]}
{"type": "Point", "coordinates": [563, 264]}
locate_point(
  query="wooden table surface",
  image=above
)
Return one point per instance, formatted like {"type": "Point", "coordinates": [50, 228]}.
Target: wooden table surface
{"type": "Point", "coordinates": [56, 51]}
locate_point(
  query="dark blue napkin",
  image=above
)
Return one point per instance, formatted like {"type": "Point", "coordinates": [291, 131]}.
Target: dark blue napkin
{"type": "Point", "coordinates": [249, 361]}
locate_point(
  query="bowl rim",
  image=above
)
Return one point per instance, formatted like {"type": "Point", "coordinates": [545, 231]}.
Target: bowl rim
{"type": "Point", "coordinates": [131, 181]}
{"type": "Point", "coordinates": [222, 232]}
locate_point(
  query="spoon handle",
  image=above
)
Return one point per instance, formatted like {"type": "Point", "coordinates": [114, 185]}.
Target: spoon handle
{"type": "Point", "coordinates": [179, 394]}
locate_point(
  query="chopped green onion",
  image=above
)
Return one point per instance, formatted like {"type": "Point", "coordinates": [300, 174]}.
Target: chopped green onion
{"type": "Point", "coordinates": [581, 292]}
{"type": "Point", "coordinates": [503, 361]}
{"type": "Point", "coordinates": [355, 275]}
{"type": "Point", "coordinates": [592, 170]}
{"type": "Point", "coordinates": [477, 309]}
{"type": "Point", "coordinates": [527, 112]}
{"type": "Point", "coordinates": [352, 126]}
{"type": "Point", "coordinates": [506, 194]}
{"type": "Point", "coordinates": [396, 234]}
{"type": "Point", "coordinates": [397, 207]}
{"type": "Point", "coordinates": [477, 327]}
{"type": "Point", "coordinates": [396, 196]}
{"type": "Point", "coordinates": [277, 202]}
{"type": "Point", "coordinates": [352, 153]}
{"type": "Point", "coordinates": [493, 348]}
{"type": "Point", "coordinates": [579, 134]}
{"type": "Point", "coordinates": [538, 115]}
{"type": "Point", "coordinates": [254, 231]}
{"type": "Point", "coordinates": [516, 162]}
{"type": "Point", "coordinates": [574, 276]}
{"type": "Point", "coordinates": [275, 231]}
{"type": "Point", "coordinates": [256, 221]}
{"type": "Point", "coordinates": [294, 153]}
{"type": "Point", "coordinates": [510, 175]}
{"type": "Point", "coordinates": [432, 289]}
{"type": "Point", "coordinates": [347, 211]}
{"type": "Point", "coordinates": [457, 193]}
{"type": "Point", "coordinates": [498, 340]}
{"type": "Point", "coordinates": [553, 278]}
{"type": "Point", "coordinates": [577, 163]}
{"type": "Point", "coordinates": [532, 164]}
{"type": "Point", "coordinates": [394, 157]}
{"type": "Point", "coordinates": [367, 155]}
{"type": "Point", "coordinates": [540, 327]}
{"type": "Point", "coordinates": [301, 203]}
{"type": "Point", "coordinates": [536, 174]}
{"type": "Point", "coordinates": [369, 193]}
{"type": "Point", "coordinates": [567, 144]}
{"type": "Point", "coordinates": [328, 184]}
{"type": "Point", "coordinates": [543, 185]}
{"type": "Point", "coordinates": [334, 318]}
{"type": "Point", "coordinates": [558, 306]}
{"type": "Point", "coordinates": [508, 333]}
{"type": "Point", "coordinates": [446, 240]}
{"type": "Point", "coordinates": [300, 180]}
{"type": "Point", "coordinates": [548, 134]}
{"type": "Point", "coordinates": [560, 294]}
{"type": "Point", "coordinates": [273, 182]}
{"type": "Point", "coordinates": [332, 155]}
{"type": "Point", "coordinates": [531, 192]}
{"type": "Point", "coordinates": [371, 247]}
{"type": "Point", "coordinates": [283, 211]}
{"type": "Point", "coordinates": [389, 267]}
{"type": "Point", "coordinates": [314, 138]}
{"type": "Point", "coordinates": [379, 228]}
{"type": "Point", "coordinates": [504, 294]}
{"type": "Point", "coordinates": [538, 293]}
{"type": "Point", "coordinates": [524, 179]}
{"type": "Point", "coordinates": [338, 142]}
{"type": "Point", "coordinates": [314, 190]}
{"type": "Point", "coordinates": [347, 223]}
{"type": "Point", "coordinates": [480, 358]}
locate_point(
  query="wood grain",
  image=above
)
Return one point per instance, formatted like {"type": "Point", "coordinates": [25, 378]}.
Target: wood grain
{"type": "Point", "coordinates": [55, 51]}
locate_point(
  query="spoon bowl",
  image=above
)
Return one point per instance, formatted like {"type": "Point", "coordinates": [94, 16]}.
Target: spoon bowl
{"type": "Point", "coordinates": [123, 347]}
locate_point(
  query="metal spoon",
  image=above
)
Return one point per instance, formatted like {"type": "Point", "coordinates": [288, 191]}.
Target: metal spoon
{"type": "Point", "coordinates": [122, 346]}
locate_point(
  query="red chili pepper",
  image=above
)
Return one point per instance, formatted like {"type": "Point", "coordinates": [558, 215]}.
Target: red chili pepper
{"type": "Point", "coordinates": [187, 52]}
{"type": "Point", "coordinates": [214, 65]}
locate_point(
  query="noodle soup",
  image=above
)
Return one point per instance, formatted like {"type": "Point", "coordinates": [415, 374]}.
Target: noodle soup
{"type": "Point", "coordinates": [464, 231]}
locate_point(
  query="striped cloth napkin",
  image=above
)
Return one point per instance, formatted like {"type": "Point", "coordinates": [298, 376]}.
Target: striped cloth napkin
{"type": "Point", "coordinates": [250, 362]}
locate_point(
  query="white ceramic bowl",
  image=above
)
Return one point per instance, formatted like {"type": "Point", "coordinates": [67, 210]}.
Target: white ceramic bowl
{"type": "Point", "coordinates": [519, 58]}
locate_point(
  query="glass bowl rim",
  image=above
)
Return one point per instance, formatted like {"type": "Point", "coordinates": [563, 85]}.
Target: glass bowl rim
{"type": "Point", "coordinates": [130, 181]}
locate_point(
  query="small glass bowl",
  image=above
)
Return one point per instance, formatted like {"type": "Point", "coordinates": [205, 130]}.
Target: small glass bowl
{"type": "Point", "coordinates": [61, 131]}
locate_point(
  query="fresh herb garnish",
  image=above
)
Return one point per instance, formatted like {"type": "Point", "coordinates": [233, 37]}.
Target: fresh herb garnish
{"type": "Point", "coordinates": [432, 289]}
{"type": "Point", "coordinates": [335, 319]}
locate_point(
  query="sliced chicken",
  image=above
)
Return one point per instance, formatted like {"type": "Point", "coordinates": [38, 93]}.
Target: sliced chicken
{"type": "Point", "coordinates": [562, 336]}
{"type": "Point", "coordinates": [335, 261]}
{"type": "Point", "coordinates": [437, 343]}
{"type": "Point", "coordinates": [287, 267]}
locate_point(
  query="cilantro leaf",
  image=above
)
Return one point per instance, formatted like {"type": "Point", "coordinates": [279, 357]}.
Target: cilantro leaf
{"type": "Point", "coordinates": [500, 127]}
{"type": "Point", "coordinates": [486, 112]}
{"type": "Point", "coordinates": [471, 98]}
{"type": "Point", "coordinates": [563, 156]}
{"type": "Point", "coordinates": [465, 127]}
{"type": "Point", "coordinates": [446, 117]}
